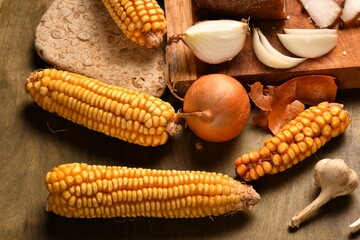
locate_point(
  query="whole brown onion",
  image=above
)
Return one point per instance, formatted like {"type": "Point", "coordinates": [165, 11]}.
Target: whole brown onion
{"type": "Point", "coordinates": [216, 107]}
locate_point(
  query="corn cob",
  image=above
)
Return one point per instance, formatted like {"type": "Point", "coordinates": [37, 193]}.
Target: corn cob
{"type": "Point", "coordinates": [298, 139]}
{"type": "Point", "coordinates": [142, 21]}
{"type": "Point", "coordinates": [118, 112]}
{"type": "Point", "coordinates": [92, 191]}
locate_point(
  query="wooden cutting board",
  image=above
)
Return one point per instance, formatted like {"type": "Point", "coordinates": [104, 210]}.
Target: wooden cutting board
{"type": "Point", "coordinates": [184, 68]}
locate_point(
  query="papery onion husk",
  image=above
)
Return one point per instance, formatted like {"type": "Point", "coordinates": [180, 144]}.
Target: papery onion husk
{"type": "Point", "coordinates": [280, 104]}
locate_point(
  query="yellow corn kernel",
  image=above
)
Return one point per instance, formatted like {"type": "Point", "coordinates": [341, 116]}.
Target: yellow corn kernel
{"type": "Point", "coordinates": [298, 139]}
{"type": "Point", "coordinates": [254, 156]}
{"type": "Point", "coordinates": [264, 152]}
{"type": "Point", "coordinates": [142, 21]}
{"type": "Point", "coordinates": [135, 192]}
{"type": "Point", "coordinates": [288, 135]}
{"type": "Point", "coordinates": [105, 108]}
{"type": "Point", "coordinates": [282, 147]}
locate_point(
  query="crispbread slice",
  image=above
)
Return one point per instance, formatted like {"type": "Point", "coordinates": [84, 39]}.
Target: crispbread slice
{"type": "Point", "coordinates": [80, 36]}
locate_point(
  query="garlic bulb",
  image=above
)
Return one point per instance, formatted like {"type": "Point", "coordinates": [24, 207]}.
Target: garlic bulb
{"type": "Point", "coordinates": [269, 55]}
{"type": "Point", "coordinates": [216, 41]}
{"type": "Point", "coordinates": [335, 179]}
{"type": "Point", "coordinates": [309, 45]}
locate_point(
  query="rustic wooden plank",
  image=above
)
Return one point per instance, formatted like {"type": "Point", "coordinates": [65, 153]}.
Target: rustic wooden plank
{"type": "Point", "coordinates": [180, 61]}
{"type": "Point", "coordinates": [343, 62]}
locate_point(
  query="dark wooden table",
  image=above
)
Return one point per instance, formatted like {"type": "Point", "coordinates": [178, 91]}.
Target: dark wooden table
{"type": "Point", "coordinates": [33, 141]}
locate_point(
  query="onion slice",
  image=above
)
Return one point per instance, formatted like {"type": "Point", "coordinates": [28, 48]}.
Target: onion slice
{"type": "Point", "coordinates": [215, 41]}
{"type": "Point", "coordinates": [324, 13]}
{"type": "Point", "coordinates": [276, 53]}
{"type": "Point", "coordinates": [309, 31]}
{"type": "Point", "coordinates": [267, 57]}
{"type": "Point", "coordinates": [351, 11]}
{"type": "Point", "coordinates": [309, 46]}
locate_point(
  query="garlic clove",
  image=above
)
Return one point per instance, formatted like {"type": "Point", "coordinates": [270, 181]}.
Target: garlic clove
{"type": "Point", "coordinates": [276, 53]}
{"type": "Point", "coordinates": [351, 11]}
{"type": "Point", "coordinates": [266, 57]}
{"type": "Point", "coordinates": [309, 46]}
{"type": "Point", "coordinates": [216, 41]}
{"type": "Point", "coordinates": [309, 31]}
{"type": "Point", "coordinates": [324, 13]}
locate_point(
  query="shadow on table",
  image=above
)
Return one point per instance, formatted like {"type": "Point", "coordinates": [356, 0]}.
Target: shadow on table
{"type": "Point", "coordinates": [94, 147]}
{"type": "Point", "coordinates": [332, 209]}
{"type": "Point", "coordinates": [145, 228]}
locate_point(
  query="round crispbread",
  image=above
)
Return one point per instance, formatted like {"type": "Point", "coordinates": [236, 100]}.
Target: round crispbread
{"type": "Point", "coordinates": [80, 36]}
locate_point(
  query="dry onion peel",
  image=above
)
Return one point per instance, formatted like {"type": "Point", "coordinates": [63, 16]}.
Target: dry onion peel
{"type": "Point", "coordinates": [278, 104]}
{"type": "Point", "coordinates": [266, 53]}
{"type": "Point", "coordinates": [351, 11]}
{"type": "Point", "coordinates": [216, 107]}
{"type": "Point", "coordinates": [215, 41]}
{"type": "Point", "coordinates": [324, 13]}
{"type": "Point", "coordinates": [309, 46]}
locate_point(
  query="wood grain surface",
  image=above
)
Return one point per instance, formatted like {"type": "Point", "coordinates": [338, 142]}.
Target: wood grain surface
{"type": "Point", "coordinates": [33, 141]}
{"type": "Point", "coordinates": [342, 62]}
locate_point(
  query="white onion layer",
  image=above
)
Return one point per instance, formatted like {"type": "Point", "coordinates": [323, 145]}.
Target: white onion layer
{"type": "Point", "coordinates": [309, 46]}
{"type": "Point", "coordinates": [351, 11]}
{"type": "Point", "coordinates": [267, 57]}
{"type": "Point", "coordinates": [309, 31]}
{"type": "Point", "coordinates": [216, 41]}
{"type": "Point", "coordinates": [323, 12]}
{"type": "Point", "coordinates": [276, 53]}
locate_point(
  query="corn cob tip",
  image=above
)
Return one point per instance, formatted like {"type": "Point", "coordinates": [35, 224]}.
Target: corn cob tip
{"type": "Point", "coordinates": [31, 78]}
{"type": "Point", "coordinates": [249, 197]}
{"type": "Point", "coordinates": [154, 38]}
{"type": "Point", "coordinates": [143, 22]}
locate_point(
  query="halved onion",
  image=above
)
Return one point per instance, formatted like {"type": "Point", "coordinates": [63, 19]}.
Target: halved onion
{"type": "Point", "coordinates": [351, 11]}
{"type": "Point", "coordinates": [267, 57]}
{"type": "Point", "coordinates": [309, 31]}
{"type": "Point", "coordinates": [323, 12]}
{"type": "Point", "coordinates": [216, 41]}
{"type": "Point", "coordinates": [309, 46]}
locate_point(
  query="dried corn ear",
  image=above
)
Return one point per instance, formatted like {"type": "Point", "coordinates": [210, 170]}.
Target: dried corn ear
{"type": "Point", "coordinates": [118, 112]}
{"type": "Point", "coordinates": [142, 21]}
{"type": "Point", "coordinates": [92, 191]}
{"type": "Point", "coordinates": [298, 139]}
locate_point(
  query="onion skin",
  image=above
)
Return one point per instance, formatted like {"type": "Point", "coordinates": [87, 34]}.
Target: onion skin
{"type": "Point", "coordinates": [218, 107]}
